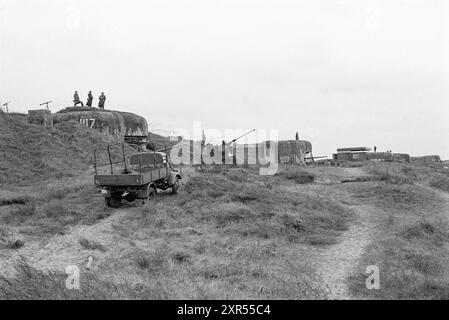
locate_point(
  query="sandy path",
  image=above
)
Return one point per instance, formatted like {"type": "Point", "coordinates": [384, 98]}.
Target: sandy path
{"type": "Point", "coordinates": [61, 251]}
{"type": "Point", "coordinates": [334, 263]}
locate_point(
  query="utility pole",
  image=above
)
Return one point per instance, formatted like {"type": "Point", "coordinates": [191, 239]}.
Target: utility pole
{"type": "Point", "coordinates": [46, 104]}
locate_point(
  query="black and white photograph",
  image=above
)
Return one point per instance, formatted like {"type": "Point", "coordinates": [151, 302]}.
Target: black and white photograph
{"type": "Point", "coordinates": [245, 152]}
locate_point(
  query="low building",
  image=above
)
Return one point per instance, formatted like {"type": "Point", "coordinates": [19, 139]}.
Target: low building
{"type": "Point", "coordinates": [426, 160]}
{"type": "Point", "coordinates": [364, 153]}
{"type": "Point", "coordinates": [116, 123]}
{"type": "Point", "coordinates": [285, 152]}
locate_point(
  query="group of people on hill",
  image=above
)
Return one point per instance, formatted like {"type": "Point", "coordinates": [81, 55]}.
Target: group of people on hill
{"type": "Point", "coordinates": [90, 98]}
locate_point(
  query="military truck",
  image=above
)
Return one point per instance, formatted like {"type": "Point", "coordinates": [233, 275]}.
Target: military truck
{"type": "Point", "coordinates": [137, 176]}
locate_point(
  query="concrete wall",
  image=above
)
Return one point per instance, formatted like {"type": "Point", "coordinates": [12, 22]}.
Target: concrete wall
{"type": "Point", "coordinates": [294, 151]}
{"type": "Point", "coordinates": [116, 123]}
{"type": "Point", "coordinates": [288, 151]}
{"type": "Point", "coordinates": [362, 156]}
{"type": "Point", "coordinates": [425, 160]}
{"type": "Point", "coordinates": [291, 151]}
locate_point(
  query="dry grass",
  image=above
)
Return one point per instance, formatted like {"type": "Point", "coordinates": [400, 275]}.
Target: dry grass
{"type": "Point", "coordinates": [62, 204]}
{"type": "Point", "coordinates": [32, 153]}
{"type": "Point", "coordinates": [433, 232]}
{"type": "Point", "coordinates": [32, 284]}
{"type": "Point", "coordinates": [232, 234]}
{"type": "Point", "coordinates": [441, 182]}
{"type": "Point", "coordinates": [229, 238]}
{"type": "Point", "coordinates": [9, 241]}
{"type": "Point", "coordinates": [297, 174]}
{"type": "Point", "coordinates": [392, 174]}
{"type": "Point", "coordinates": [396, 197]}
{"type": "Point", "coordinates": [249, 209]}
{"type": "Point", "coordinates": [91, 245]}
{"type": "Point", "coordinates": [412, 256]}
{"type": "Point", "coordinates": [155, 261]}
{"type": "Point", "coordinates": [412, 234]}
{"type": "Point", "coordinates": [45, 169]}
{"type": "Point", "coordinates": [64, 196]}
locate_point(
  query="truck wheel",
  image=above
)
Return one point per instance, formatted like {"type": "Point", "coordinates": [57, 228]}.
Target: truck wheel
{"type": "Point", "coordinates": [151, 194]}
{"type": "Point", "coordinates": [113, 202]}
{"type": "Point", "coordinates": [175, 187]}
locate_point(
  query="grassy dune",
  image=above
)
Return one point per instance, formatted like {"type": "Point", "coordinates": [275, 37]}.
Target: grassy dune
{"type": "Point", "coordinates": [410, 247]}
{"type": "Point", "coordinates": [229, 233]}
{"type": "Point", "coordinates": [32, 153]}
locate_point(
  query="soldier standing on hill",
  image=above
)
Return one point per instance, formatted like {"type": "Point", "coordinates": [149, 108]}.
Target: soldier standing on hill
{"type": "Point", "coordinates": [102, 100]}
{"type": "Point", "coordinates": [223, 152]}
{"type": "Point", "coordinates": [297, 136]}
{"type": "Point", "coordinates": [90, 98]}
{"type": "Point", "coordinates": [76, 100]}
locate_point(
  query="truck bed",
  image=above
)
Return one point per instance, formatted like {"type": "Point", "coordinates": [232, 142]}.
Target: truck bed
{"type": "Point", "coordinates": [131, 179]}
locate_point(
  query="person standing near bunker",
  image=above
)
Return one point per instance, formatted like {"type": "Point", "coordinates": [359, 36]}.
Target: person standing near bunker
{"type": "Point", "coordinates": [90, 98]}
{"type": "Point", "coordinates": [102, 100]}
{"type": "Point", "coordinates": [76, 100]}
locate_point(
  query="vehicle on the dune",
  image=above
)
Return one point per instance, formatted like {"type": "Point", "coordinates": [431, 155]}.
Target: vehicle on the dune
{"type": "Point", "coordinates": [139, 176]}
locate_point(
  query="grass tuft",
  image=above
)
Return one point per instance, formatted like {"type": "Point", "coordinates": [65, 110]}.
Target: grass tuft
{"type": "Point", "coordinates": [300, 177]}
{"type": "Point", "coordinates": [91, 245]}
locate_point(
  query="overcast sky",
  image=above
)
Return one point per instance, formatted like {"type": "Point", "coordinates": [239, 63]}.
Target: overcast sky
{"type": "Point", "coordinates": [343, 73]}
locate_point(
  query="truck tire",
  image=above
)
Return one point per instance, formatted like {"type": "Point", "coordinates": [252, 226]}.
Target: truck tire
{"type": "Point", "coordinates": [175, 186]}
{"type": "Point", "coordinates": [151, 194]}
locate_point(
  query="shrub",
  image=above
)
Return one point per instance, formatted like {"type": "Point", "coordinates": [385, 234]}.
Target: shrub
{"type": "Point", "coordinates": [180, 257]}
{"type": "Point", "coordinates": [33, 284]}
{"type": "Point", "coordinates": [425, 230]}
{"type": "Point", "coordinates": [55, 209]}
{"type": "Point", "coordinates": [441, 183]}
{"type": "Point", "coordinates": [154, 262]}
{"type": "Point", "coordinates": [221, 270]}
{"type": "Point", "coordinates": [14, 200]}
{"type": "Point", "coordinates": [300, 177]}
{"type": "Point", "coordinates": [390, 175]}
{"type": "Point", "coordinates": [427, 264]}
{"type": "Point", "coordinates": [91, 245]}
{"type": "Point", "coordinates": [200, 246]}
{"type": "Point", "coordinates": [26, 210]}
